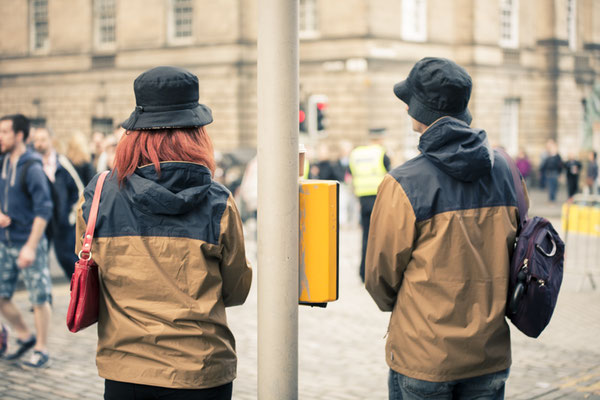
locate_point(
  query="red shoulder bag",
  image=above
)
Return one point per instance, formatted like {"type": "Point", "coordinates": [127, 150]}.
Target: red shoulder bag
{"type": "Point", "coordinates": [83, 306]}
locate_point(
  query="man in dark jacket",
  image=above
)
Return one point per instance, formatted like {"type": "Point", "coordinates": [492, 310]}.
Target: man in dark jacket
{"type": "Point", "coordinates": [439, 248]}
{"type": "Point", "coordinates": [66, 188]}
{"type": "Point", "coordinates": [552, 167]}
{"type": "Point", "coordinates": [573, 169]}
{"type": "Point", "coordinates": [23, 246]}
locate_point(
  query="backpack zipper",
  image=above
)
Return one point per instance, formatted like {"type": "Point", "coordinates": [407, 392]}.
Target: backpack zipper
{"type": "Point", "coordinates": [524, 267]}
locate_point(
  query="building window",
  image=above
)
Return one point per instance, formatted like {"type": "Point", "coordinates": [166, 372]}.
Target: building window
{"type": "Point", "coordinates": [39, 24]}
{"type": "Point", "coordinates": [181, 21]}
{"type": "Point", "coordinates": [572, 23]}
{"type": "Point", "coordinates": [509, 23]}
{"type": "Point", "coordinates": [308, 26]}
{"type": "Point", "coordinates": [37, 122]}
{"type": "Point", "coordinates": [104, 22]}
{"type": "Point", "coordinates": [509, 126]}
{"type": "Point", "coordinates": [414, 20]}
{"type": "Point", "coordinates": [104, 125]}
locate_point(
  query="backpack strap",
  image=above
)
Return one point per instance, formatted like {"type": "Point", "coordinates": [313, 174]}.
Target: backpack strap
{"type": "Point", "coordinates": [516, 175]}
{"type": "Point", "coordinates": [68, 166]}
{"type": "Point", "coordinates": [23, 176]}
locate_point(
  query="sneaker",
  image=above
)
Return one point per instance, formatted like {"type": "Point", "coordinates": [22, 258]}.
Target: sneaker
{"type": "Point", "coordinates": [39, 360]}
{"type": "Point", "coordinates": [3, 339]}
{"type": "Point", "coordinates": [24, 346]}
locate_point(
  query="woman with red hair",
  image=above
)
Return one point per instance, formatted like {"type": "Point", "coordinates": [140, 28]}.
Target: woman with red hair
{"type": "Point", "coordinates": [170, 249]}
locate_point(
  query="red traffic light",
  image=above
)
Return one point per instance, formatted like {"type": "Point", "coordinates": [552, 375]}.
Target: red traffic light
{"type": "Point", "coordinates": [302, 116]}
{"type": "Point", "coordinates": [321, 106]}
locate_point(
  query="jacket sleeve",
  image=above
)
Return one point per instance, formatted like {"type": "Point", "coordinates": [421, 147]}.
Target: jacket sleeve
{"type": "Point", "coordinates": [235, 269]}
{"type": "Point", "coordinates": [39, 189]}
{"type": "Point", "coordinates": [392, 233]}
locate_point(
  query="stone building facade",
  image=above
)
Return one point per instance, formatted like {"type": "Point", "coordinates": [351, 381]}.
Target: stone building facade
{"type": "Point", "coordinates": [71, 64]}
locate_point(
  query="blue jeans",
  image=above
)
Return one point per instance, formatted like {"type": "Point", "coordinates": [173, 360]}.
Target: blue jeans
{"type": "Point", "coordinates": [490, 386]}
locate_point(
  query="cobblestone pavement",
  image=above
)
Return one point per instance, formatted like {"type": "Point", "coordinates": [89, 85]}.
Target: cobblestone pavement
{"type": "Point", "coordinates": [341, 347]}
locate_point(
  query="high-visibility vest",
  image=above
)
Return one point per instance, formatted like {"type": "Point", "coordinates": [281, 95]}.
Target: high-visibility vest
{"type": "Point", "coordinates": [368, 169]}
{"type": "Point", "coordinates": [306, 169]}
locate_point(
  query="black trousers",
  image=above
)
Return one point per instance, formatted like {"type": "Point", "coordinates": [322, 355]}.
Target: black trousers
{"type": "Point", "coordinates": [572, 185]}
{"type": "Point", "coordinates": [366, 208]}
{"type": "Point", "coordinates": [114, 390]}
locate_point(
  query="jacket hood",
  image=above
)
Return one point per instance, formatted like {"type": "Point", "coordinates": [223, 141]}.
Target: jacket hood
{"type": "Point", "coordinates": [457, 149]}
{"type": "Point", "coordinates": [29, 155]}
{"type": "Point", "coordinates": [178, 188]}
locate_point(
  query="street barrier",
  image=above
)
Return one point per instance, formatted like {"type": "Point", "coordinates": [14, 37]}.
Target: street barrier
{"type": "Point", "coordinates": [581, 226]}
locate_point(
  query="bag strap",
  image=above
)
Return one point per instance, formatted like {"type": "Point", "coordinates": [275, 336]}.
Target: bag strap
{"type": "Point", "coordinates": [68, 166]}
{"type": "Point", "coordinates": [86, 251]}
{"type": "Point", "coordinates": [516, 175]}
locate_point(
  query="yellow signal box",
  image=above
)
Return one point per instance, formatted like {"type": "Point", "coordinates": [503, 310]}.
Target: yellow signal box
{"type": "Point", "coordinates": [319, 242]}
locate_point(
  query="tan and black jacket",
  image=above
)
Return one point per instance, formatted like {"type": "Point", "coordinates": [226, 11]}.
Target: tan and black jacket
{"type": "Point", "coordinates": [441, 237]}
{"type": "Point", "coordinates": [170, 250]}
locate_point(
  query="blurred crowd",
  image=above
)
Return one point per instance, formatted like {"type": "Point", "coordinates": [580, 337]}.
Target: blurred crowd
{"type": "Point", "coordinates": [577, 172]}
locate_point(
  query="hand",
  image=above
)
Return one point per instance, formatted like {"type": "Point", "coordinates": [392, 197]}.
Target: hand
{"type": "Point", "coordinates": [4, 220]}
{"type": "Point", "coordinates": [26, 257]}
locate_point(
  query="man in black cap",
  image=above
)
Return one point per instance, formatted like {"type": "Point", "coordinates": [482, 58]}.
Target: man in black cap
{"type": "Point", "coordinates": [439, 248]}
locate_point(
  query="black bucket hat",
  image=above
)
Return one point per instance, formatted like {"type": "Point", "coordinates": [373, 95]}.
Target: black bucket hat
{"type": "Point", "coordinates": [436, 87]}
{"type": "Point", "coordinates": [167, 97]}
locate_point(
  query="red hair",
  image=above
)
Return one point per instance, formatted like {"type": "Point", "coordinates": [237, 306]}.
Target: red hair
{"type": "Point", "coordinates": [137, 148]}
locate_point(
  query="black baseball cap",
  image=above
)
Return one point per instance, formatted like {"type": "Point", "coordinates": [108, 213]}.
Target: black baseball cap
{"type": "Point", "coordinates": [435, 88]}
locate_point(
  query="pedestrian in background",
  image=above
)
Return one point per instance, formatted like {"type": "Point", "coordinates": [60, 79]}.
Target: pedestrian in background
{"type": "Point", "coordinates": [591, 180]}
{"type": "Point", "coordinates": [170, 249]}
{"type": "Point", "coordinates": [440, 243]}
{"type": "Point", "coordinates": [524, 165]}
{"type": "Point", "coordinates": [65, 188]}
{"type": "Point", "coordinates": [26, 207]}
{"type": "Point", "coordinates": [78, 153]}
{"type": "Point", "coordinates": [97, 149]}
{"type": "Point", "coordinates": [551, 168]}
{"type": "Point", "coordinates": [368, 165]}
{"type": "Point", "coordinates": [573, 171]}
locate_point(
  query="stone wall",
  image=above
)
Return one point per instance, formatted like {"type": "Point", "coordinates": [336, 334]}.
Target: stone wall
{"type": "Point", "coordinates": [355, 59]}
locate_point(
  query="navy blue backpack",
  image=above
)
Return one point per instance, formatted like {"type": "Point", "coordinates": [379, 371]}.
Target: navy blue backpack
{"type": "Point", "coordinates": [536, 268]}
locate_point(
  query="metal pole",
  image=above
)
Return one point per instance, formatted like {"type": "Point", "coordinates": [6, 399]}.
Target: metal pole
{"type": "Point", "coordinates": [277, 199]}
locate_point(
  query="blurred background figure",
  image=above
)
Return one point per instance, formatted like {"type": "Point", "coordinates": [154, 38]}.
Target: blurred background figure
{"type": "Point", "coordinates": [573, 171]}
{"type": "Point", "coordinates": [591, 181]}
{"type": "Point", "coordinates": [247, 195]}
{"type": "Point", "coordinates": [348, 202]}
{"type": "Point", "coordinates": [368, 165]}
{"type": "Point", "coordinates": [96, 148]}
{"type": "Point", "coordinates": [107, 158]}
{"type": "Point", "coordinates": [524, 165]}
{"type": "Point", "coordinates": [543, 156]}
{"type": "Point", "coordinates": [65, 187]}
{"type": "Point", "coordinates": [78, 153]}
{"type": "Point", "coordinates": [328, 166]}
{"type": "Point", "coordinates": [551, 169]}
